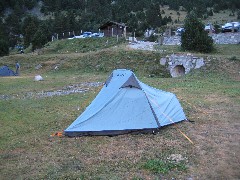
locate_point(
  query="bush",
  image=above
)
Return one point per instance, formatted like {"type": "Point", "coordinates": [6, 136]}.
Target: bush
{"type": "Point", "coordinates": [4, 50]}
{"type": "Point", "coordinates": [194, 38]}
{"type": "Point", "coordinates": [152, 38]}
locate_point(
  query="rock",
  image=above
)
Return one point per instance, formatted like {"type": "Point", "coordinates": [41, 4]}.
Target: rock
{"type": "Point", "coordinates": [39, 66]}
{"type": "Point", "coordinates": [163, 61]}
{"type": "Point", "coordinates": [199, 63]}
{"type": "Point", "coordinates": [38, 78]}
{"type": "Point", "coordinates": [176, 157]}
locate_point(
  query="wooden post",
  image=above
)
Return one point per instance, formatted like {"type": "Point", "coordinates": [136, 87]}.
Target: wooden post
{"type": "Point", "coordinates": [125, 32]}
{"type": "Point", "coordinates": [161, 38]}
{"type": "Point", "coordinates": [169, 32]}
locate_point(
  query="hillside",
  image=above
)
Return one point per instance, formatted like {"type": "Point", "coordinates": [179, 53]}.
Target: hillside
{"type": "Point", "coordinates": [35, 22]}
{"type": "Point", "coordinates": [89, 55]}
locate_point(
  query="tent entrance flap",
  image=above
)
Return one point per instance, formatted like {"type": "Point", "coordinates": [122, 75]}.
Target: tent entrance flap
{"type": "Point", "coordinates": [131, 82]}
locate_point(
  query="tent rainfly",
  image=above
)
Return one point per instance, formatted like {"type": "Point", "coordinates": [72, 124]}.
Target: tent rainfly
{"type": "Point", "coordinates": [126, 105]}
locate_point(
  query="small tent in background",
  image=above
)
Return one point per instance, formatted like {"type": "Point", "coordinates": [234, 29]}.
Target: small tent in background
{"type": "Point", "coordinates": [6, 71]}
{"type": "Point", "coordinates": [127, 105]}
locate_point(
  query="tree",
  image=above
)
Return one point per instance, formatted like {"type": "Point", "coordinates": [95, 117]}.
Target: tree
{"type": "Point", "coordinates": [4, 50]}
{"type": "Point", "coordinates": [194, 38]}
{"type": "Point", "coordinates": [153, 16]}
{"type": "Point", "coordinates": [4, 45]}
{"type": "Point", "coordinates": [42, 35]}
{"type": "Point", "coordinates": [210, 12]}
{"type": "Point", "coordinates": [29, 28]}
{"type": "Point", "coordinates": [238, 14]}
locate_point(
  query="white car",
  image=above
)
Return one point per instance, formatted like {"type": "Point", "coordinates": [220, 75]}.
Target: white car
{"type": "Point", "coordinates": [84, 35]}
{"type": "Point", "coordinates": [76, 37]}
{"type": "Point", "coordinates": [209, 27]}
{"type": "Point", "coordinates": [87, 34]}
{"type": "Point", "coordinates": [97, 35]}
{"type": "Point", "coordinates": [180, 31]}
{"type": "Point", "coordinates": [228, 27]}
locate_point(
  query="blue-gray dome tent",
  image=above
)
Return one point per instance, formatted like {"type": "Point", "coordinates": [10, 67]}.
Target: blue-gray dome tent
{"type": "Point", "coordinates": [6, 71]}
{"type": "Point", "coordinates": [126, 105]}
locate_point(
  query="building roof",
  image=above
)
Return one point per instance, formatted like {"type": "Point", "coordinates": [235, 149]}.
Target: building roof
{"type": "Point", "coordinates": [110, 23]}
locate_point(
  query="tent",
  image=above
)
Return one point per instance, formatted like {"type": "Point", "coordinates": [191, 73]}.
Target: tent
{"type": "Point", "coordinates": [6, 71]}
{"type": "Point", "coordinates": [126, 105]}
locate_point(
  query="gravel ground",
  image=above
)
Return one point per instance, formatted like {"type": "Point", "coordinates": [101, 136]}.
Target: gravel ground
{"type": "Point", "coordinates": [141, 45]}
{"type": "Point", "coordinates": [221, 38]}
{"type": "Point", "coordinates": [75, 88]}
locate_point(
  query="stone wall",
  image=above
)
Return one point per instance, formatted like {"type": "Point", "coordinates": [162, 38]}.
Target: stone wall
{"type": "Point", "coordinates": [181, 64]}
{"type": "Point", "coordinates": [226, 38]}
{"type": "Point", "coordinates": [221, 38]}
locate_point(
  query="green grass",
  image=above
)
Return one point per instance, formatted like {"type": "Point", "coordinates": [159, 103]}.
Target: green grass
{"type": "Point", "coordinates": [84, 45]}
{"type": "Point", "coordinates": [144, 63]}
{"type": "Point", "coordinates": [209, 96]}
{"type": "Point", "coordinates": [163, 167]}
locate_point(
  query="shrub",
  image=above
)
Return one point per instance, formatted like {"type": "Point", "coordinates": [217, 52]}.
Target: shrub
{"type": "Point", "coordinates": [152, 38]}
{"type": "Point", "coordinates": [233, 58]}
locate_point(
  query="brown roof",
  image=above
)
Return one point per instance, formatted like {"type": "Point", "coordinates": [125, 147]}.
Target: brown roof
{"type": "Point", "coordinates": [110, 23]}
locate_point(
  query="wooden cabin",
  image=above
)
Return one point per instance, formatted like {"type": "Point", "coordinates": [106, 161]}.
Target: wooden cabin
{"type": "Point", "coordinates": [111, 29]}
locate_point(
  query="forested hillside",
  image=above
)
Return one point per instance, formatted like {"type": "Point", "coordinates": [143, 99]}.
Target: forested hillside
{"type": "Point", "coordinates": [34, 21]}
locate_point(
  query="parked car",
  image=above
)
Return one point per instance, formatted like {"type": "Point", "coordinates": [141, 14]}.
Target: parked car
{"type": "Point", "coordinates": [209, 27]}
{"type": "Point", "coordinates": [180, 31]}
{"type": "Point", "coordinates": [84, 35]}
{"type": "Point", "coordinates": [76, 37]}
{"type": "Point", "coordinates": [87, 34]}
{"type": "Point", "coordinates": [228, 27]}
{"type": "Point", "coordinates": [97, 35]}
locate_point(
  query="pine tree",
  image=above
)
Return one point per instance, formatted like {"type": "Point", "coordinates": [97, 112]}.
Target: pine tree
{"type": "Point", "coordinates": [194, 38]}
{"type": "Point", "coordinates": [153, 16]}
{"type": "Point", "coordinates": [4, 44]}
{"type": "Point", "coordinates": [42, 35]}
{"type": "Point", "coordinates": [30, 26]}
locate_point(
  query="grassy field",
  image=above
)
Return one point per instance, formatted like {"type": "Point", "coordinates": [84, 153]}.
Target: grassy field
{"type": "Point", "coordinates": [210, 97]}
